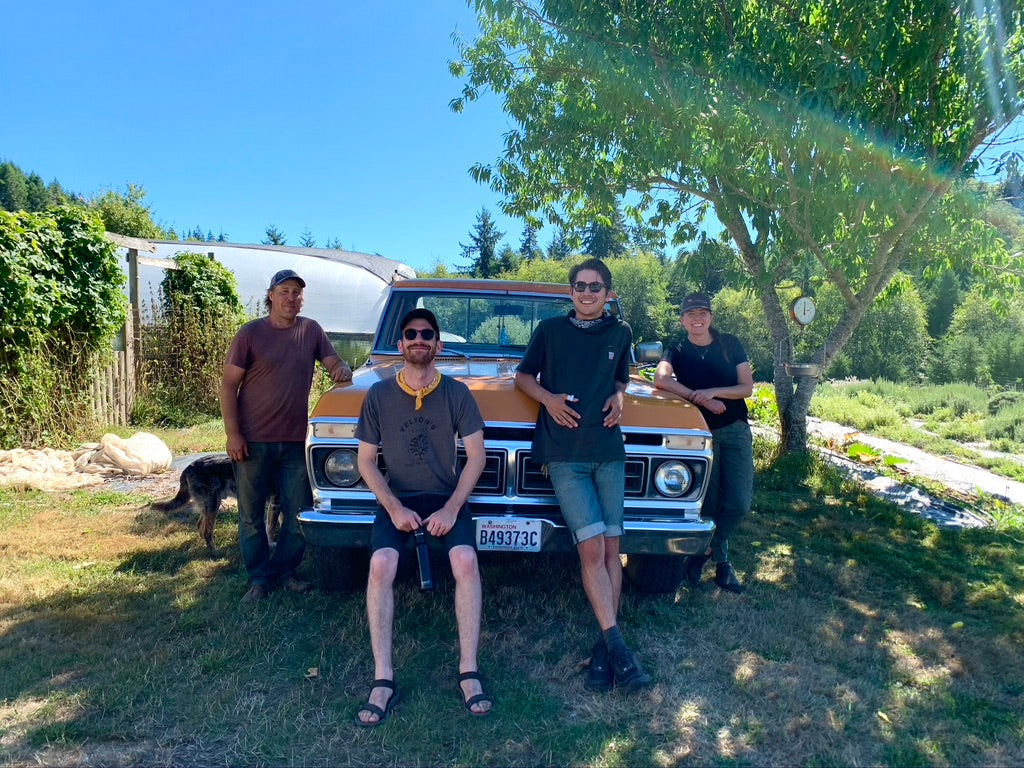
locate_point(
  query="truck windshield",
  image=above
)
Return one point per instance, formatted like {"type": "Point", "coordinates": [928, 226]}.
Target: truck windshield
{"type": "Point", "coordinates": [473, 322]}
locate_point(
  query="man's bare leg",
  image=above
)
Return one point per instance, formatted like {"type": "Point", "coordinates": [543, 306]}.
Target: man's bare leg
{"type": "Point", "coordinates": [380, 614]}
{"type": "Point", "coordinates": [601, 588]}
{"type": "Point", "coordinates": [468, 602]}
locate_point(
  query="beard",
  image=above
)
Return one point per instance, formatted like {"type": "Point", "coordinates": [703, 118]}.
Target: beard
{"type": "Point", "coordinates": [418, 356]}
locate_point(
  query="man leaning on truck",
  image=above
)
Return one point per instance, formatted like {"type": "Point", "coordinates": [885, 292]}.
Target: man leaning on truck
{"type": "Point", "coordinates": [582, 363]}
{"type": "Point", "coordinates": [264, 399]}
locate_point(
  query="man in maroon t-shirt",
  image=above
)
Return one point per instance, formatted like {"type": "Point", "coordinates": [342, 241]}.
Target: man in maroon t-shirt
{"type": "Point", "coordinates": [264, 399]}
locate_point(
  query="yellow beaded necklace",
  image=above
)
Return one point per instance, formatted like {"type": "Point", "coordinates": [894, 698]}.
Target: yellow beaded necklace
{"type": "Point", "coordinates": [419, 394]}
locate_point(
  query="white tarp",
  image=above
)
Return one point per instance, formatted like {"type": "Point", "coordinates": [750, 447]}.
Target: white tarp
{"type": "Point", "coordinates": [345, 291]}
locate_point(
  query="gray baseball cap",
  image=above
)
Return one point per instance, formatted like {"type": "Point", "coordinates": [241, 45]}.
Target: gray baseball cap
{"type": "Point", "coordinates": [286, 274]}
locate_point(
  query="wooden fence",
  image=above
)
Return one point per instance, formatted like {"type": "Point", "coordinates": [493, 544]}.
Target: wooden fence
{"type": "Point", "coordinates": [115, 384]}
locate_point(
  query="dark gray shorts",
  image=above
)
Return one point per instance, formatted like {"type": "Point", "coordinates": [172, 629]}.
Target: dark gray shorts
{"type": "Point", "coordinates": [386, 536]}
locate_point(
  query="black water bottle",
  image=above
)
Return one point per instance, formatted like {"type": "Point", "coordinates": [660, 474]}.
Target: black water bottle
{"type": "Point", "coordinates": [423, 558]}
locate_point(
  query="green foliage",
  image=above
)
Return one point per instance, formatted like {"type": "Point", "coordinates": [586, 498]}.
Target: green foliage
{"type": "Point", "coordinates": [19, 192]}
{"type": "Point", "coordinates": [859, 408]}
{"type": "Point", "coordinates": [184, 348]}
{"type": "Point", "coordinates": [639, 282]}
{"type": "Point", "coordinates": [890, 342]}
{"type": "Point", "coordinates": [482, 250]}
{"type": "Point", "coordinates": [762, 407]}
{"type": "Point", "coordinates": [739, 312]}
{"type": "Point", "coordinates": [127, 214]}
{"type": "Point", "coordinates": [814, 134]}
{"type": "Point", "coordinates": [60, 305]}
{"type": "Point", "coordinates": [200, 282]}
{"type": "Point", "coordinates": [984, 343]}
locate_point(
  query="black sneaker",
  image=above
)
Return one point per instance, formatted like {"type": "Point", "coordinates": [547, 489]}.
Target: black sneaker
{"type": "Point", "coordinates": [600, 677]}
{"type": "Point", "coordinates": [725, 578]}
{"type": "Point", "coordinates": [629, 675]}
{"type": "Point", "coordinates": [693, 567]}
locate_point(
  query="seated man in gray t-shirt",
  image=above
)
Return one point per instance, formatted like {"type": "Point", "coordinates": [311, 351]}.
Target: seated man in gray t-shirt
{"type": "Point", "coordinates": [414, 419]}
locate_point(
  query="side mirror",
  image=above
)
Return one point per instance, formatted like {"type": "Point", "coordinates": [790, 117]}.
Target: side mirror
{"type": "Point", "coordinates": [649, 352]}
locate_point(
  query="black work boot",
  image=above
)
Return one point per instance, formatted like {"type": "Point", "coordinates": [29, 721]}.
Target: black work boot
{"type": "Point", "coordinates": [725, 578]}
{"type": "Point", "coordinates": [600, 677]}
{"type": "Point", "coordinates": [694, 565]}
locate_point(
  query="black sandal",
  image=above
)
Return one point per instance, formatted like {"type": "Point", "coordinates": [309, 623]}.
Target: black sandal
{"type": "Point", "coordinates": [468, 703]}
{"type": "Point", "coordinates": [373, 709]}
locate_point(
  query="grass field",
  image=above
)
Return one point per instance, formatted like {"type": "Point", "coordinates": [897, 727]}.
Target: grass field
{"type": "Point", "coordinates": [865, 637]}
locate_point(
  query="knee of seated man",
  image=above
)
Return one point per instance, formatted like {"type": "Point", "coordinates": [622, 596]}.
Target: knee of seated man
{"type": "Point", "coordinates": [464, 561]}
{"type": "Point", "coordinates": [384, 564]}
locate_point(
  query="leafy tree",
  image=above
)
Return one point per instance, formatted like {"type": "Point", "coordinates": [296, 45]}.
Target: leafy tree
{"type": "Point", "coordinates": [127, 214]}
{"type": "Point", "coordinates": [483, 245]}
{"type": "Point", "coordinates": [274, 237]}
{"type": "Point", "coordinates": [307, 240]}
{"type": "Point", "coordinates": [829, 133]}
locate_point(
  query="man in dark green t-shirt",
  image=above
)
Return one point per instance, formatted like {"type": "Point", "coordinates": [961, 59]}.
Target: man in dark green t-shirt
{"type": "Point", "coordinates": [577, 368]}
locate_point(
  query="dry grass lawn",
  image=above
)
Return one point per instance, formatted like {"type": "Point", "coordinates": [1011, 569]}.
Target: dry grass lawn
{"type": "Point", "coordinates": [865, 638]}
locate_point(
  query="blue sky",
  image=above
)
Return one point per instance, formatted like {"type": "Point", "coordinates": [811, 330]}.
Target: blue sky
{"type": "Point", "coordinates": [234, 116]}
{"type": "Point", "coordinates": [327, 116]}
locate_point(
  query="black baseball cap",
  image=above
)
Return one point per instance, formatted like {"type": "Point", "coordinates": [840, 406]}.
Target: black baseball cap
{"type": "Point", "coordinates": [420, 314]}
{"type": "Point", "coordinates": [696, 301]}
{"type": "Point", "coordinates": [286, 274]}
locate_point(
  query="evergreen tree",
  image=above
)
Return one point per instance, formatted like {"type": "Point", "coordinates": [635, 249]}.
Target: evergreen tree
{"type": "Point", "coordinates": [13, 188]}
{"type": "Point", "coordinates": [943, 301]}
{"type": "Point", "coordinates": [528, 247]}
{"type": "Point", "coordinates": [38, 195]}
{"type": "Point", "coordinates": [483, 245]}
{"type": "Point", "coordinates": [307, 240]}
{"type": "Point", "coordinates": [558, 248]}
{"type": "Point", "coordinates": [274, 237]}
{"type": "Point", "coordinates": [605, 238]}
{"type": "Point", "coordinates": [334, 243]}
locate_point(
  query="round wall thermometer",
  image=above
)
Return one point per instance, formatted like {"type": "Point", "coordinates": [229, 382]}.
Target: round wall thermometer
{"type": "Point", "coordinates": [802, 310]}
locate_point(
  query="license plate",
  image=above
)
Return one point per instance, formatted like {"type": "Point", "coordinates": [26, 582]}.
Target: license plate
{"type": "Point", "coordinates": [507, 534]}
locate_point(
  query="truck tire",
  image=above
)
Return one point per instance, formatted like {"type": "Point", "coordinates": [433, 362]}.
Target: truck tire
{"type": "Point", "coordinates": [655, 574]}
{"type": "Point", "coordinates": [340, 570]}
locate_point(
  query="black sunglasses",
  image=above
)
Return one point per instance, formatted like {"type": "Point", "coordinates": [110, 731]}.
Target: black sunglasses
{"type": "Point", "coordinates": [580, 287]}
{"type": "Point", "coordinates": [427, 334]}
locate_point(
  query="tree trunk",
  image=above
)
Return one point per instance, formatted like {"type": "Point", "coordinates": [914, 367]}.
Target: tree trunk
{"type": "Point", "coordinates": [793, 405]}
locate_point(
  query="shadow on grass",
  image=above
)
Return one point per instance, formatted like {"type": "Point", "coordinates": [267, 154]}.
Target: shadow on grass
{"type": "Point", "coordinates": [844, 650]}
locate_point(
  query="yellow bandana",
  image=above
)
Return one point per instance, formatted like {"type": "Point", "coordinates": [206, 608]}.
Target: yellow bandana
{"type": "Point", "coordinates": [419, 394]}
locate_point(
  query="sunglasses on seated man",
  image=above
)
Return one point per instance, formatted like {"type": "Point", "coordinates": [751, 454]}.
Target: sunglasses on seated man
{"type": "Point", "coordinates": [427, 334]}
{"type": "Point", "coordinates": [580, 287]}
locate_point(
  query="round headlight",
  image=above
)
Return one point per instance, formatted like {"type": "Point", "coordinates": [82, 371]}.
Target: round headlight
{"type": "Point", "coordinates": [672, 478]}
{"type": "Point", "coordinates": [341, 468]}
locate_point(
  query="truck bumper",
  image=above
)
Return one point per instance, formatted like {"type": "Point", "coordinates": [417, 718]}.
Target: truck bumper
{"type": "Point", "coordinates": [351, 530]}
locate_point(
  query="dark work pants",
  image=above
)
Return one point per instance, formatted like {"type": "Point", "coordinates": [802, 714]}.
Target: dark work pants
{"type": "Point", "coordinates": [270, 466]}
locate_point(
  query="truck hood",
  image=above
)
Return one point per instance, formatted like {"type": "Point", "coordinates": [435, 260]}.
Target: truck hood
{"type": "Point", "coordinates": [492, 382]}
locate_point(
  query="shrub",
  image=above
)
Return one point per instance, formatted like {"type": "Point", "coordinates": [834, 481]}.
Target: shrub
{"type": "Point", "coordinates": [185, 347]}
{"type": "Point", "coordinates": [60, 306]}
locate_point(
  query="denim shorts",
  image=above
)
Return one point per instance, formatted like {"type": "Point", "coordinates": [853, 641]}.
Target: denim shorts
{"type": "Point", "coordinates": [590, 495]}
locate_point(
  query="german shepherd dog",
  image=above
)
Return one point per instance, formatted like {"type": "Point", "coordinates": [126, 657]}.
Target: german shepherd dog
{"type": "Point", "coordinates": [205, 483]}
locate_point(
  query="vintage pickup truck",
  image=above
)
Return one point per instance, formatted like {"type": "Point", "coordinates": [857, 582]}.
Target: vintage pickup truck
{"type": "Point", "coordinates": [485, 327]}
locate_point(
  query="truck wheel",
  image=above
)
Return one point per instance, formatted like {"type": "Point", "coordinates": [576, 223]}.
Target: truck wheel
{"type": "Point", "coordinates": [655, 574]}
{"type": "Point", "coordinates": [340, 570]}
